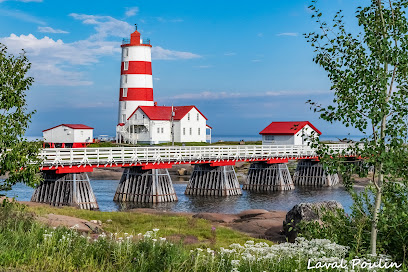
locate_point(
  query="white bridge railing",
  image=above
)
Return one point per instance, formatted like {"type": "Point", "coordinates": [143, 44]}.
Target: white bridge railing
{"type": "Point", "coordinates": [55, 157]}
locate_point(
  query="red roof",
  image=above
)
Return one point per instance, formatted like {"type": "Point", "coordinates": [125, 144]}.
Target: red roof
{"type": "Point", "coordinates": [287, 128]}
{"type": "Point", "coordinates": [164, 113]}
{"type": "Point", "coordinates": [73, 126]}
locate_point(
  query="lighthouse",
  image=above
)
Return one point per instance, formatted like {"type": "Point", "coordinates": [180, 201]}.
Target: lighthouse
{"type": "Point", "coordinates": [136, 82]}
{"type": "Point", "coordinates": [140, 119]}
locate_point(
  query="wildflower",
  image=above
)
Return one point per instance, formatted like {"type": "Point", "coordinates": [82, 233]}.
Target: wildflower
{"type": "Point", "coordinates": [162, 239]}
{"type": "Point", "coordinates": [155, 230]}
{"type": "Point", "coordinates": [235, 262]}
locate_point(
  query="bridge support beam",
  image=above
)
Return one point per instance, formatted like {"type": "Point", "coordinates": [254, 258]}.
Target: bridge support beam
{"type": "Point", "coordinates": [264, 177]}
{"type": "Point", "coordinates": [207, 180]}
{"type": "Point", "coordinates": [312, 173]}
{"type": "Point", "coordinates": [139, 185]}
{"type": "Point", "coordinates": [69, 189]}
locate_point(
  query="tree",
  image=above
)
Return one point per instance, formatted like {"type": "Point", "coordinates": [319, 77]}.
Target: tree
{"type": "Point", "coordinates": [369, 76]}
{"type": "Point", "coordinates": [19, 160]}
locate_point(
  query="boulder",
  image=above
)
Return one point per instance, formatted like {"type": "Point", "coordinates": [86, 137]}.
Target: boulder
{"type": "Point", "coordinates": [217, 217]}
{"type": "Point", "coordinates": [306, 212]}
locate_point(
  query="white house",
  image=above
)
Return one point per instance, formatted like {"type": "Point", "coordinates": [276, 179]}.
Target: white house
{"type": "Point", "coordinates": [68, 135]}
{"type": "Point", "coordinates": [288, 133]}
{"type": "Point", "coordinates": [153, 125]}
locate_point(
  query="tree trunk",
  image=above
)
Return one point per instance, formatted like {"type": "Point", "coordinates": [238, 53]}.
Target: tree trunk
{"type": "Point", "coordinates": [376, 212]}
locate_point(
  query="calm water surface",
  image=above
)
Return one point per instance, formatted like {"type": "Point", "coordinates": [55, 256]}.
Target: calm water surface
{"type": "Point", "coordinates": [105, 190]}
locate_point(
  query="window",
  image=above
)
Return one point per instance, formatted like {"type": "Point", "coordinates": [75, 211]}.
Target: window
{"type": "Point", "coordinates": [198, 117]}
{"type": "Point", "coordinates": [188, 116]}
{"type": "Point", "coordinates": [269, 138]}
{"type": "Point", "coordinates": [184, 131]}
{"type": "Point", "coordinates": [126, 52]}
{"type": "Point", "coordinates": [82, 133]}
{"type": "Point", "coordinates": [124, 78]}
{"type": "Point", "coordinates": [124, 92]}
{"type": "Point", "coordinates": [126, 65]}
{"type": "Point", "coordinates": [123, 118]}
{"type": "Point", "coordinates": [199, 131]}
{"type": "Point", "coordinates": [158, 130]}
{"type": "Point", "coordinates": [162, 130]}
{"type": "Point", "coordinates": [124, 105]}
{"type": "Point", "coordinates": [191, 131]}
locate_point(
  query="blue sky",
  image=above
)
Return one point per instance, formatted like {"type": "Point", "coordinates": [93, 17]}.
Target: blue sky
{"type": "Point", "coordinates": [244, 64]}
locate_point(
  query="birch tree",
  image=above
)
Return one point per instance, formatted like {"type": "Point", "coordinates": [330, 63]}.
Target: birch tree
{"type": "Point", "coordinates": [18, 157]}
{"type": "Point", "coordinates": [368, 71]}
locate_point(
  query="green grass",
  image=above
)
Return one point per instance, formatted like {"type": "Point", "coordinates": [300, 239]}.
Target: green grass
{"type": "Point", "coordinates": [26, 245]}
{"type": "Point", "coordinates": [134, 223]}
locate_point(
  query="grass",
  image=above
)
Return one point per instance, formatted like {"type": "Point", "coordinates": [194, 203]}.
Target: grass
{"type": "Point", "coordinates": [26, 245]}
{"type": "Point", "coordinates": [134, 223]}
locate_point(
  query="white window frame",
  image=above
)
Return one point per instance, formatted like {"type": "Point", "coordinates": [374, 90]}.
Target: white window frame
{"type": "Point", "coordinates": [125, 65]}
{"type": "Point", "coordinates": [198, 117]}
{"type": "Point", "coordinates": [199, 132]}
{"type": "Point", "coordinates": [124, 92]}
{"type": "Point", "coordinates": [126, 51]}
{"type": "Point", "coordinates": [162, 130]}
{"type": "Point", "coordinates": [269, 137]}
{"type": "Point", "coordinates": [188, 116]}
{"type": "Point", "coordinates": [191, 131]}
{"type": "Point", "coordinates": [124, 79]}
{"type": "Point", "coordinates": [158, 130]}
{"type": "Point", "coordinates": [184, 131]}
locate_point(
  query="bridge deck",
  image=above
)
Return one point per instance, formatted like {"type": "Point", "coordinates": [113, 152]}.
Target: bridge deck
{"type": "Point", "coordinates": [85, 159]}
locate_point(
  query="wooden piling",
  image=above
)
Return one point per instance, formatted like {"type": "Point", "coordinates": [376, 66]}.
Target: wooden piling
{"type": "Point", "coordinates": [263, 177]}
{"type": "Point", "coordinates": [145, 186]}
{"type": "Point", "coordinates": [72, 189]}
{"type": "Point", "coordinates": [207, 180]}
{"type": "Point", "coordinates": [312, 173]}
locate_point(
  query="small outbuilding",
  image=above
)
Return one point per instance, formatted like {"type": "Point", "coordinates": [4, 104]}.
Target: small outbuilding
{"type": "Point", "coordinates": [288, 133]}
{"type": "Point", "coordinates": [68, 135]}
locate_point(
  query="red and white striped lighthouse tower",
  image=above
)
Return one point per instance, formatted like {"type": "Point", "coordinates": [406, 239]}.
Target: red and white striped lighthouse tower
{"type": "Point", "coordinates": [136, 82]}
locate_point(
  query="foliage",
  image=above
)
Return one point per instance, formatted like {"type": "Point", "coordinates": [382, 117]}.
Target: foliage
{"type": "Point", "coordinates": [18, 156]}
{"type": "Point", "coordinates": [103, 144]}
{"type": "Point", "coordinates": [369, 76]}
{"type": "Point", "coordinates": [28, 245]}
{"type": "Point", "coordinates": [169, 225]}
{"type": "Point", "coordinates": [354, 230]}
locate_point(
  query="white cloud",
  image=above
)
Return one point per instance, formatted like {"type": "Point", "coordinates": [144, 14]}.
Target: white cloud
{"type": "Point", "coordinates": [105, 25]}
{"type": "Point", "coordinates": [230, 54]}
{"type": "Point", "coordinates": [47, 29]}
{"type": "Point", "coordinates": [57, 63]}
{"type": "Point", "coordinates": [164, 20]}
{"type": "Point", "coordinates": [131, 11]}
{"type": "Point", "coordinates": [256, 60]}
{"type": "Point", "coordinates": [160, 53]}
{"type": "Point", "coordinates": [260, 35]}
{"type": "Point", "coordinates": [21, 16]}
{"type": "Point", "coordinates": [291, 34]}
{"type": "Point", "coordinates": [207, 95]}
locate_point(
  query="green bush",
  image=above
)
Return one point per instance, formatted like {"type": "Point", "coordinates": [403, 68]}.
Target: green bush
{"type": "Point", "coordinates": [354, 230]}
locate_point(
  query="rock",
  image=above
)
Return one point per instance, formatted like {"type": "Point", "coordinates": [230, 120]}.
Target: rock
{"type": "Point", "coordinates": [182, 171]}
{"type": "Point", "coordinates": [306, 212]}
{"type": "Point", "coordinates": [80, 225]}
{"type": "Point", "coordinates": [217, 217]}
{"type": "Point", "coordinates": [251, 213]}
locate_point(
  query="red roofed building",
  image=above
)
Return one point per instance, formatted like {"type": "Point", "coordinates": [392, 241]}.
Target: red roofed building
{"type": "Point", "coordinates": [157, 124]}
{"type": "Point", "coordinates": [68, 135]}
{"type": "Point", "coordinates": [288, 133]}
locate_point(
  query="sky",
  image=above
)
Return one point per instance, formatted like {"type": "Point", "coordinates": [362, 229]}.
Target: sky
{"type": "Point", "coordinates": [244, 64]}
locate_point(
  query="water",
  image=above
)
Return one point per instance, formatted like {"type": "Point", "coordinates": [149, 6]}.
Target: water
{"type": "Point", "coordinates": [283, 200]}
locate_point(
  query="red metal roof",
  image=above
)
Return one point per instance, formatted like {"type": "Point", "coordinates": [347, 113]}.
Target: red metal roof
{"type": "Point", "coordinates": [287, 128]}
{"type": "Point", "coordinates": [73, 126]}
{"type": "Point", "coordinates": [164, 112]}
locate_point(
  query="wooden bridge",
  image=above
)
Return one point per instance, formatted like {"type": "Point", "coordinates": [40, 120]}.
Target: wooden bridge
{"type": "Point", "coordinates": [146, 178]}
